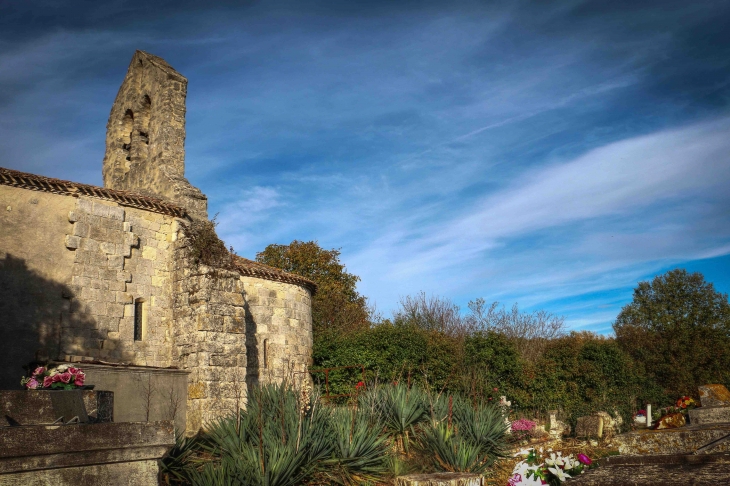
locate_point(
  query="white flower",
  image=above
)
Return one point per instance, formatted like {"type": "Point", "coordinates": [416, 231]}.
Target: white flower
{"type": "Point", "coordinates": [553, 460]}
{"type": "Point", "coordinates": [523, 452]}
{"type": "Point", "coordinates": [561, 475]}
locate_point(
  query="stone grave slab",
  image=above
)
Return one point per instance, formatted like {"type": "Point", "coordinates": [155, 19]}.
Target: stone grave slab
{"type": "Point", "coordinates": [591, 426]}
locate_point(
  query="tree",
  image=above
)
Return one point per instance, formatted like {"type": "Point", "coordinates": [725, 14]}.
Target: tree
{"type": "Point", "coordinates": [430, 314]}
{"type": "Point", "coordinates": [337, 306]}
{"type": "Point", "coordinates": [678, 327]}
{"type": "Point", "coordinates": [530, 332]}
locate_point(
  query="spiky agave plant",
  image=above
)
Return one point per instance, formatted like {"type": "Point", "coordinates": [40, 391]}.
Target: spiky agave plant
{"type": "Point", "coordinates": [360, 447]}
{"type": "Point", "coordinates": [402, 409]}
{"type": "Point", "coordinates": [276, 441]}
{"type": "Point", "coordinates": [462, 436]}
{"type": "Point", "coordinates": [172, 465]}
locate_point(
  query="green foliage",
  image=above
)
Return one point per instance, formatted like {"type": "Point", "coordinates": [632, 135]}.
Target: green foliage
{"type": "Point", "coordinates": [283, 439]}
{"type": "Point", "coordinates": [678, 328]}
{"type": "Point", "coordinates": [206, 248]}
{"type": "Point", "coordinates": [389, 353]}
{"type": "Point", "coordinates": [361, 450]}
{"type": "Point", "coordinates": [337, 307]}
{"type": "Point", "coordinates": [401, 409]}
{"type": "Point", "coordinates": [583, 373]}
{"type": "Point", "coordinates": [463, 436]}
{"type": "Point", "coordinates": [492, 361]}
{"type": "Point", "coordinates": [274, 442]}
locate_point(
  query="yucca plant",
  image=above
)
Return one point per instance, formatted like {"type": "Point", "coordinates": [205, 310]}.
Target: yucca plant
{"type": "Point", "coordinates": [462, 436]}
{"type": "Point", "coordinates": [279, 440]}
{"type": "Point", "coordinates": [402, 409]}
{"type": "Point", "coordinates": [173, 464]}
{"type": "Point", "coordinates": [360, 447]}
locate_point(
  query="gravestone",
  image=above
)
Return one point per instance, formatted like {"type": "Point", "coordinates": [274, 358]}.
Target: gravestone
{"type": "Point", "coordinates": [591, 426]}
{"type": "Point", "coordinates": [715, 409]}
{"type": "Point", "coordinates": [557, 427]}
{"type": "Point", "coordinates": [714, 396]}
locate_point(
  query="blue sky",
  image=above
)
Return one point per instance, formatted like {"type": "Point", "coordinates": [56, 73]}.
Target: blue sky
{"type": "Point", "coordinates": [552, 154]}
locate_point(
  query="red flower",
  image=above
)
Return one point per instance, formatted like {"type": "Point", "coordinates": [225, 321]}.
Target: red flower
{"type": "Point", "coordinates": [359, 385]}
{"type": "Point", "coordinates": [47, 382]}
{"type": "Point", "coordinates": [584, 459]}
{"type": "Point", "coordinates": [496, 389]}
{"type": "Point", "coordinates": [65, 377]}
{"type": "Point", "coordinates": [79, 378]}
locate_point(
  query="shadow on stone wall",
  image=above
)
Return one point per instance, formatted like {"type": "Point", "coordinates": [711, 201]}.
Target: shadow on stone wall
{"type": "Point", "coordinates": [33, 313]}
{"type": "Point", "coordinates": [252, 348]}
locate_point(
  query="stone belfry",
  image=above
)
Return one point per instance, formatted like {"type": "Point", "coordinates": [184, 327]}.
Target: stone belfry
{"type": "Point", "coordinates": [145, 136]}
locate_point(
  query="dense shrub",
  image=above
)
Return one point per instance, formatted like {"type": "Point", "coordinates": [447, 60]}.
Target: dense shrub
{"type": "Point", "coordinates": [389, 352]}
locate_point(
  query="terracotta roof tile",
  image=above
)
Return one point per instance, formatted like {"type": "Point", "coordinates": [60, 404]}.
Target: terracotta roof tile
{"type": "Point", "coordinates": [35, 182]}
{"type": "Point", "coordinates": [251, 268]}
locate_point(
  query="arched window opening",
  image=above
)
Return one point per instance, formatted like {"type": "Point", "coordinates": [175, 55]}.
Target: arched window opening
{"type": "Point", "coordinates": [140, 320]}
{"type": "Point", "coordinates": [144, 129]}
{"type": "Point", "coordinates": [127, 129]}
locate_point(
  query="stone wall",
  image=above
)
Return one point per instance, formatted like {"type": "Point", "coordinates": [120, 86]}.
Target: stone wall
{"type": "Point", "coordinates": [145, 140]}
{"type": "Point", "coordinates": [234, 331]}
{"type": "Point", "coordinates": [74, 270]}
{"type": "Point", "coordinates": [78, 269]}
{"type": "Point", "coordinates": [35, 273]}
{"type": "Point", "coordinates": [210, 340]}
{"type": "Point", "coordinates": [281, 334]}
{"type": "Point", "coordinates": [122, 258]}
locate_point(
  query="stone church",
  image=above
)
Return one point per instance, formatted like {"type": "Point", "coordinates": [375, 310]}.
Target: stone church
{"type": "Point", "coordinates": [103, 276]}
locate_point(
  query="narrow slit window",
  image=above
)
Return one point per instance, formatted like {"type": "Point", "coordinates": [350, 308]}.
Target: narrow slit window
{"type": "Point", "coordinates": [138, 320]}
{"type": "Point", "coordinates": [266, 353]}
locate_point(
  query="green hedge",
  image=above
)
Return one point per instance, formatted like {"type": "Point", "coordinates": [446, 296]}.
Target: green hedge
{"type": "Point", "coordinates": [578, 374]}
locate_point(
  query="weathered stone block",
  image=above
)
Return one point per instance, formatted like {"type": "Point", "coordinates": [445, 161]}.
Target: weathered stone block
{"type": "Point", "coordinates": [72, 242]}
{"type": "Point", "coordinates": [81, 229]}
{"type": "Point", "coordinates": [115, 310]}
{"type": "Point", "coordinates": [116, 213]}
{"type": "Point", "coordinates": [591, 426]}
{"type": "Point", "coordinates": [115, 262]}
{"type": "Point", "coordinates": [714, 396]}
{"type": "Point", "coordinates": [104, 453]}
{"type": "Point", "coordinates": [709, 415]}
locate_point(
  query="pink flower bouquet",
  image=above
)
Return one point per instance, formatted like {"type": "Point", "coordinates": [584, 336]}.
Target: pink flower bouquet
{"type": "Point", "coordinates": [62, 377]}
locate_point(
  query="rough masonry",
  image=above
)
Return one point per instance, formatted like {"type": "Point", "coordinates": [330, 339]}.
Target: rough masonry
{"type": "Point", "coordinates": [104, 276]}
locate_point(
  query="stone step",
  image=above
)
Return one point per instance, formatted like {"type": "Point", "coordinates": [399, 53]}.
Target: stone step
{"type": "Point", "coordinates": [665, 470]}
{"type": "Point", "coordinates": [440, 479]}
{"type": "Point", "coordinates": [683, 440]}
{"type": "Point", "coordinates": [709, 415]}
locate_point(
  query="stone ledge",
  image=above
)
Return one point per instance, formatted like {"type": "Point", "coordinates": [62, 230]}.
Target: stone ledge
{"type": "Point", "coordinates": [38, 447]}
{"type": "Point", "coordinates": [709, 415]}
{"type": "Point", "coordinates": [682, 440]}
{"type": "Point", "coordinates": [440, 479]}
